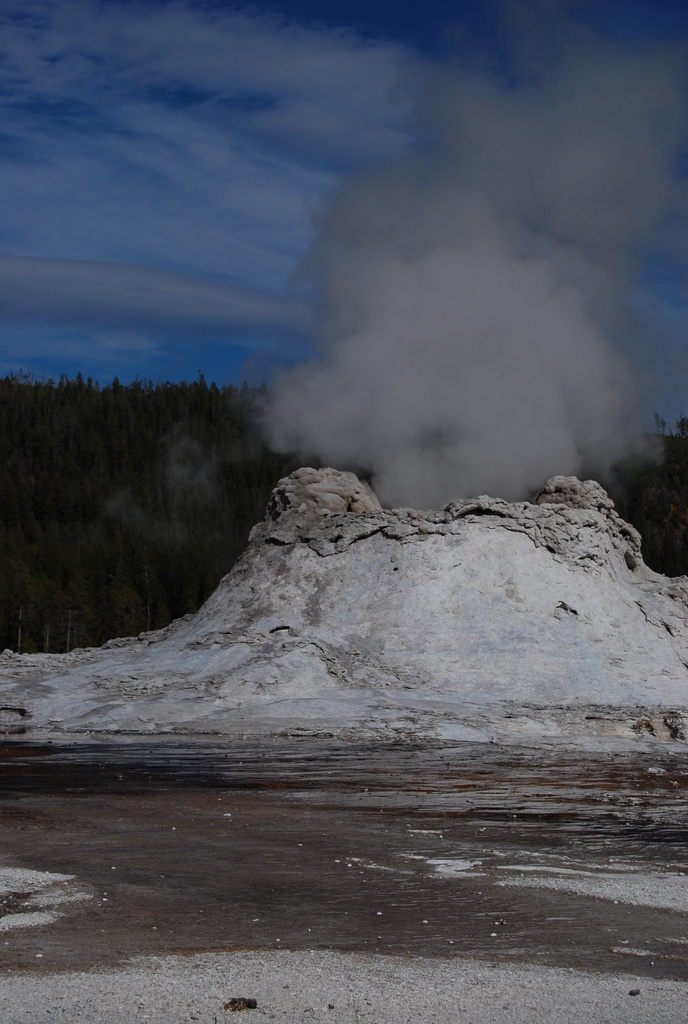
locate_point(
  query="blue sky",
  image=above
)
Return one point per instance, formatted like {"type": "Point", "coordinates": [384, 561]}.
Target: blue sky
{"type": "Point", "coordinates": [166, 168]}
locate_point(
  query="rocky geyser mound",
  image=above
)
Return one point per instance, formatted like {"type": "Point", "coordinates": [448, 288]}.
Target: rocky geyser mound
{"type": "Point", "coordinates": [486, 619]}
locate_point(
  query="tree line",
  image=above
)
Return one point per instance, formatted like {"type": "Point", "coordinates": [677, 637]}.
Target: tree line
{"type": "Point", "coordinates": [122, 507]}
{"type": "Point", "coordinates": [653, 496]}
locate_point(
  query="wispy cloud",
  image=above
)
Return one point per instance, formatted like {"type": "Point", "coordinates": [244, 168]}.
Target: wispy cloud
{"type": "Point", "coordinates": [124, 296]}
{"type": "Point", "coordinates": [183, 139]}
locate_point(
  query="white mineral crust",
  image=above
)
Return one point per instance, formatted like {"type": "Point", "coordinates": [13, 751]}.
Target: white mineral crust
{"type": "Point", "coordinates": [485, 620]}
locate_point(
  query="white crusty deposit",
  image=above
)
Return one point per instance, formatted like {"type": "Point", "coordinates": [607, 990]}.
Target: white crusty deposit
{"type": "Point", "coordinates": [485, 620]}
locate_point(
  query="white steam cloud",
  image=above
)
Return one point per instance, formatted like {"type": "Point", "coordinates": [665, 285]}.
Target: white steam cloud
{"type": "Point", "coordinates": [472, 296]}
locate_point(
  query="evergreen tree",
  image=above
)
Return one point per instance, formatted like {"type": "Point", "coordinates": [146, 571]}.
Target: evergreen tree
{"type": "Point", "coordinates": [121, 508]}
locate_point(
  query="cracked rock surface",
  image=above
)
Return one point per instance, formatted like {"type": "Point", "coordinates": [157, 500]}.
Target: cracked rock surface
{"type": "Point", "coordinates": [485, 620]}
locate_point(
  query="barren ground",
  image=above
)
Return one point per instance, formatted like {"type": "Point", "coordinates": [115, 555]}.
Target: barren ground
{"type": "Point", "coordinates": [507, 855]}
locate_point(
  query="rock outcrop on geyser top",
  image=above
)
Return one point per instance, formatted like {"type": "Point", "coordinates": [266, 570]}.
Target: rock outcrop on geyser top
{"type": "Point", "coordinates": [486, 619]}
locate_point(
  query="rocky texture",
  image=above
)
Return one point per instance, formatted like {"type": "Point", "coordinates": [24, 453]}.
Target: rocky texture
{"type": "Point", "coordinates": [313, 493]}
{"type": "Point", "coordinates": [486, 619]}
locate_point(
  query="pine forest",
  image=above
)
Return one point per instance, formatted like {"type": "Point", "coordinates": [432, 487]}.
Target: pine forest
{"type": "Point", "coordinates": [121, 507]}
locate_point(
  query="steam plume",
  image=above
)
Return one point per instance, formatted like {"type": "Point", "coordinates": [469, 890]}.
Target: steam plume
{"type": "Point", "coordinates": [472, 297]}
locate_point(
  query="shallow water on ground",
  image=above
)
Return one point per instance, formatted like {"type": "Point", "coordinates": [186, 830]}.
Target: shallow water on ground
{"type": "Point", "coordinates": [505, 854]}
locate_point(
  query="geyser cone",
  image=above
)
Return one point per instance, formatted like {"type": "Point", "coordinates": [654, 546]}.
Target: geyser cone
{"type": "Point", "coordinates": [485, 619]}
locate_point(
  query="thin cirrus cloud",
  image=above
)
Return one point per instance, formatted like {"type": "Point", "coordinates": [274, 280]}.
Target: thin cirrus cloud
{"type": "Point", "coordinates": [122, 297]}
{"type": "Point", "coordinates": [140, 140]}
